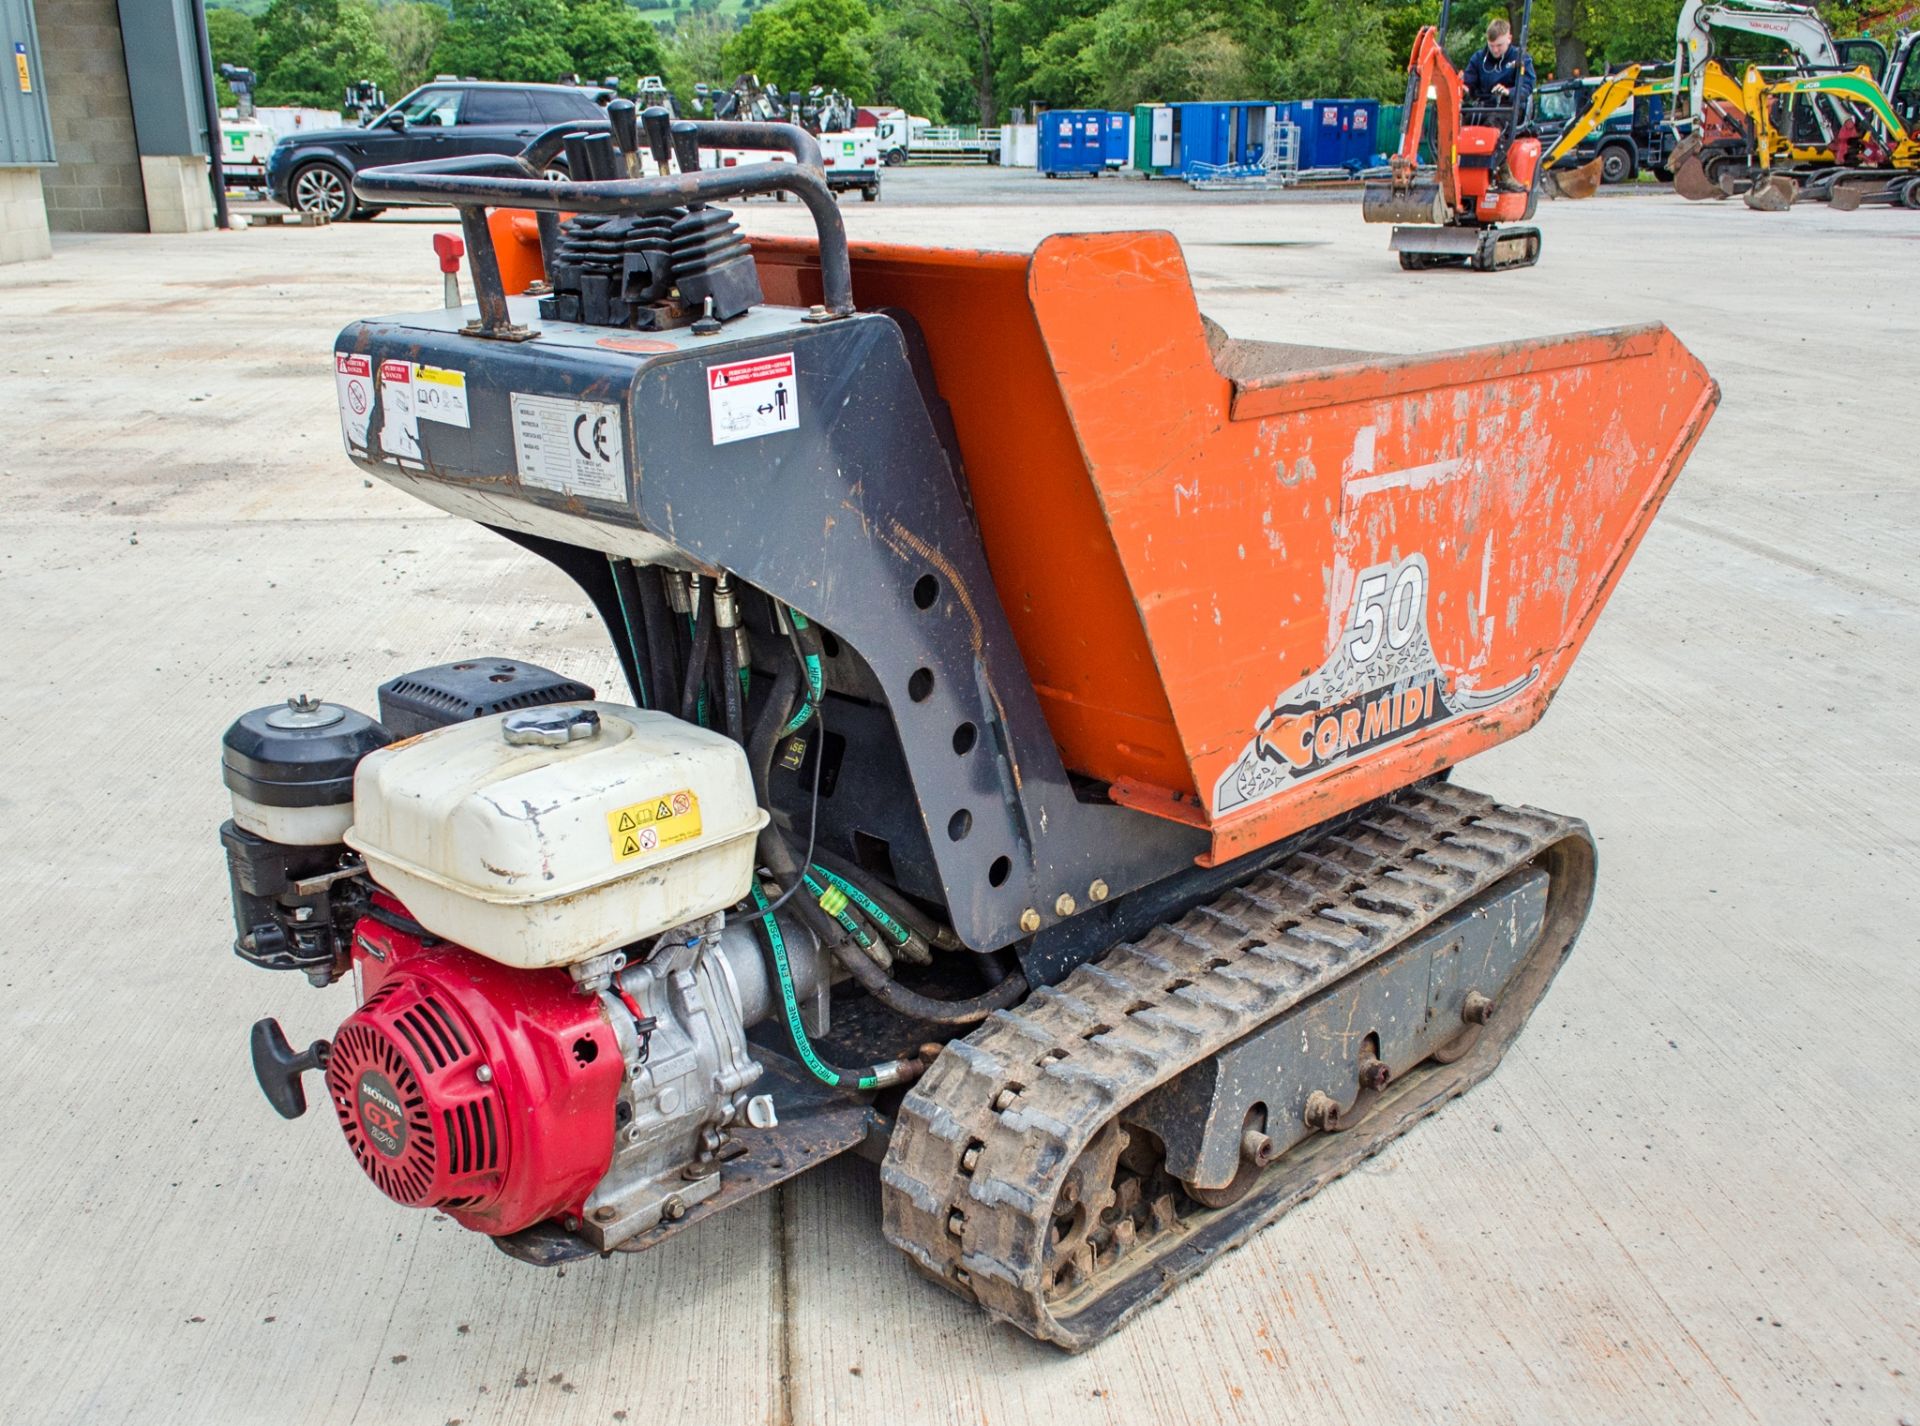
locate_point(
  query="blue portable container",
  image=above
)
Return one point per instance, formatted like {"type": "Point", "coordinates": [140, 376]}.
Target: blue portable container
{"type": "Point", "coordinates": [1072, 142]}
{"type": "Point", "coordinates": [1336, 133]}
{"type": "Point", "coordinates": [1362, 132]}
{"type": "Point", "coordinates": [1117, 139]}
{"type": "Point", "coordinates": [1224, 135]}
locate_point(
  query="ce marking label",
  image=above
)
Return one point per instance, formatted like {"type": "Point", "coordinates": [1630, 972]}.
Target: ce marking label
{"type": "Point", "coordinates": [592, 442]}
{"type": "Point", "coordinates": [574, 447]}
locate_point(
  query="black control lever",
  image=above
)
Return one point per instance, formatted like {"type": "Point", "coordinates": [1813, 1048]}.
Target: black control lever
{"type": "Point", "coordinates": [659, 125]}
{"type": "Point", "coordinates": [624, 119]}
{"type": "Point", "coordinates": [278, 1068]}
{"type": "Point", "coordinates": [686, 149]}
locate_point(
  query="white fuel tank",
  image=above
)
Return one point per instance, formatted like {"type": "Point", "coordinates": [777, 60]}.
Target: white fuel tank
{"type": "Point", "coordinates": [545, 836]}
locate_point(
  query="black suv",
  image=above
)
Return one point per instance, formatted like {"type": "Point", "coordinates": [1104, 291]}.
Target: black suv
{"type": "Point", "coordinates": [313, 172]}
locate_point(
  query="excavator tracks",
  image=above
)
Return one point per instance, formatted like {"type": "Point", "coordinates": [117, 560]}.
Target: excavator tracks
{"type": "Point", "coordinates": [1020, 1173]}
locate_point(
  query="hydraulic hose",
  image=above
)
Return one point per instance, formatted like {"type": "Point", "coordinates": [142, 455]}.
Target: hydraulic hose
{"type": "Point", "coordinates": [787, 871]}
{"type": "Point", "coordinates": [911, 1003]}
{"type": "Point", "coordinates": [626, 592]}
{"type": "Point", "coordinates": [697, 661]}
{"type": "Point", "coordinates": [896, 905]}
{"type": "Point", "coordinates": [878, 1076]}
{"type": "Point", "coordinates": [733, 716]}
{"type": "Point", "coordinates": [780, 860]}
{"type": "Point", "coordinates": [767, 730]}
{"type": "Point", "coordinates": [809, 650]}
{"type": "Point", "coordinates": [657, 619]}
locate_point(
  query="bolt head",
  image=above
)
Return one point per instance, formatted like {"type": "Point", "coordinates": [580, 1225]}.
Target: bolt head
{"type": "Point", "coordinates": [1098, 891]}
{"type": "Point", "coordinates": [484, 1074]}
{"type": "Point", "coordinates": [605, 1213]}
{"type": "Point", "coordinates": [1064, 906]}
{"type": "Point", "coordinates": [1476, 1009]}
{"type": "Point", "coordinates": [674, 1209]}
{"type": "Point", "coordinates": [1029, 920]}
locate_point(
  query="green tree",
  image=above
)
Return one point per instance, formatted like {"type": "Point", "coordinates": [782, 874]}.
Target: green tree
{"type": "Point", "coordinates": [506, 39]}
{"type": "Point", "coordinates": [608, 37]}
{"type": "Point", "coordinates": [968, 30]}
{"type": "Point", "coordinates": [411, 31]}
{"type": "Point", "coordinates": [1163, 51]}
{"type": "Point", "coordinates": [696, 52]}
{"type": "Point", "coordinates": [310, 50]}
{"type": "Point", "coordinates": [1340, 50]}
{"type": "Point", "coordinates": [799, 43]}
{"type": "Point", "coordinates": [921, 64]}
{"type": "Point", "coordinates": [233, 38]}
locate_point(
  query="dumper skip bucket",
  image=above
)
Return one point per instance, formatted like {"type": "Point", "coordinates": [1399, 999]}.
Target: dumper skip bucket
{"type": "Point", "coordinates": [1255, 583]}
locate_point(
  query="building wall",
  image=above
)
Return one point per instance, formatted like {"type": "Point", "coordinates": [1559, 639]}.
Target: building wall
{"type": "Point", "coordinates": [23, 216]}
{"type": "Point", "coordinates": [98, 186]}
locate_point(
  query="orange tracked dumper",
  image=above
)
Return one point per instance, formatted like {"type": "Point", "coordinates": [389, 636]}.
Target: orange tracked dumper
{"type": "Point", "coordinates": [1033, 766]}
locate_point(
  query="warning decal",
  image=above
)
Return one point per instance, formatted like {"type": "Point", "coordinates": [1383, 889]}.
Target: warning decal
{"type": "Point", "coordinates": [406, 394]}
{"type": "Point", "coordinates": [440, 395]}
{"type": "Point", "coordinates": [399, 427]}
{"type": "Point", "coordinates": [353, 384]}
{"type": "Point", "coordinates": [574, 447]}
{"type": "Point", "coordinates": [663, 821]}
{"type": "Point", "coordinates": [753, 398]}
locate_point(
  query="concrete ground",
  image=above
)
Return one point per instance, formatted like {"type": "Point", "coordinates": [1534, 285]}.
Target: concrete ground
{"type": "Point", "coordinates": [1688, 1196]}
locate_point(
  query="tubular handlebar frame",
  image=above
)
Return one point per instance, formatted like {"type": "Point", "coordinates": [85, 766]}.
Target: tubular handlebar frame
{"type": "Point", "coordinates": [474, 184]}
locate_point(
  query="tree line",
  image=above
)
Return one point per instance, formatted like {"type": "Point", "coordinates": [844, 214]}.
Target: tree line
{"type": "Point", "coordinates": [956, 61]}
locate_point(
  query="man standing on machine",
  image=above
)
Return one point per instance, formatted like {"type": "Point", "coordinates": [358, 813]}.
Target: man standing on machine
{"type": "Point", "coordinates": [1499, 82]}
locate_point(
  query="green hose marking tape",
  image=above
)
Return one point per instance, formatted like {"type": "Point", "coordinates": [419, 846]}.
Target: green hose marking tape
{"type": "Point", "coordinates": [816, 680]}
{"type": "Point", "coordinates": [836, 907]}
{"type": "Point", "coordinates": [867, 904]}
{"type": "Point", "coordinates": [633, 643]}
{"type": "Point", "coordinates": [821, 1071]}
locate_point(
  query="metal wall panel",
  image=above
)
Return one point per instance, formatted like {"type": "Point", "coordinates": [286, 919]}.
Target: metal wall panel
{"type": "Point", "coordinates": [163, 73]}
{"type": "Point", "coordinates": [26, 134]}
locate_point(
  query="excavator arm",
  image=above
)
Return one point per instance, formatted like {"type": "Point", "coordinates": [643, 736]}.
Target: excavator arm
{"type": "Point", "coordinates": [1430, 74]}
{"type": "Point", "coordinates": [1612, 91]}
{"type": "Point", "coordinates": [1798, 27]}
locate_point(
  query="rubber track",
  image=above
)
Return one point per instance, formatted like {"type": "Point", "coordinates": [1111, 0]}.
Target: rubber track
{"type": "Point", "coordinates": [1236, 963]}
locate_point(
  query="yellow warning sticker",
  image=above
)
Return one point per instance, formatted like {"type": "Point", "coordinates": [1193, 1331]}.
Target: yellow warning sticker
{"type": "Point", "coordinates": [646, 827]}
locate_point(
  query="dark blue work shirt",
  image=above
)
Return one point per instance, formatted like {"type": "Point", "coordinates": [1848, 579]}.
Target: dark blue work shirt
{"type": "Point", "coordinates": [1483, 71]}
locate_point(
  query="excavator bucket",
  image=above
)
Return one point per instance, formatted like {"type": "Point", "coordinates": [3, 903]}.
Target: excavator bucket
{"type": "Point", "coordinates": [1772, 194]}
{"type": "Point", "coordinates": [1259, 583]}
{"type": "Point", "coordinates": [1418, 202]}
{"type": "Point", "coordinates": [1849, 193]}
{"type": "Point", "coordinates": [1690, 179]}
{"type": "Point", "coordinates": [1580, 182]}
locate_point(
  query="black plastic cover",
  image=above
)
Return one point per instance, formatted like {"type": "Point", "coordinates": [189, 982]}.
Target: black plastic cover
{"type": "Point", "coordinates": [431, 698]}
{"type": "Point", "coordinates": [298, 753]}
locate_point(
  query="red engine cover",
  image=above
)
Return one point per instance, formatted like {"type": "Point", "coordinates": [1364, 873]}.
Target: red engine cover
{"type": "Point", "coordinates": [465, 1085]}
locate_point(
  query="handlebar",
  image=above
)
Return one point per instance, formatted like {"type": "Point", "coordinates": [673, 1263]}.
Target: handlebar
{"type": "Point", "coordinates": [474, 183]}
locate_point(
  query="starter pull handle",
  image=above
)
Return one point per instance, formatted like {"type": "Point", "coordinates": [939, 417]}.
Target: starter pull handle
{"type": "Point", "coordinates": [278, 1068]}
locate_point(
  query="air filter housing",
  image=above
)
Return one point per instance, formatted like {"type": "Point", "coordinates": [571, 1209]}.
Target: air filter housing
{"type": "Point", "coordinates": [429, 698]}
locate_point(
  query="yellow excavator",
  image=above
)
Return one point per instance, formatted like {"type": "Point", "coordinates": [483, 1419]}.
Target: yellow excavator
{"type": "Point", "coordinates": [1869, 155]}
{"type": "Point", "coordinates": [1621, 87]}
{"type": "Point", "coordinates": [1744, 140]}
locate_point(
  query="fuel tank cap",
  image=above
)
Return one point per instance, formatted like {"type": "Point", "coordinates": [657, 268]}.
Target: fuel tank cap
{"type": "Point", "coordinates": [549, 727]}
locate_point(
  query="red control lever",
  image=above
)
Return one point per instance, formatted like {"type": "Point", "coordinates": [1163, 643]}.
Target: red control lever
{"type": "Point", "coordinates": [449, 249]}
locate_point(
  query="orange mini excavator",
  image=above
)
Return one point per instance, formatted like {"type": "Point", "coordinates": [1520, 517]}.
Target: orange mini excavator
{"type": "Point", "coordinates": [1030, 760]}
{"type": "Point", "coordinates": [1452, 217]}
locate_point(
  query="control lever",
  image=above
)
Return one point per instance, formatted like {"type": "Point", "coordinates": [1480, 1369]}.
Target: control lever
{"type": "Point", "coordinates": [686, 149]}
{"type": "Point", "coordinates": [659, 125]}
{"type": "Point", "coordinates": [278, 1068]}
{"type": "Point", "coordinates": [624, 120]}
{"type": "Point", "coordinates": [448, 248]}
